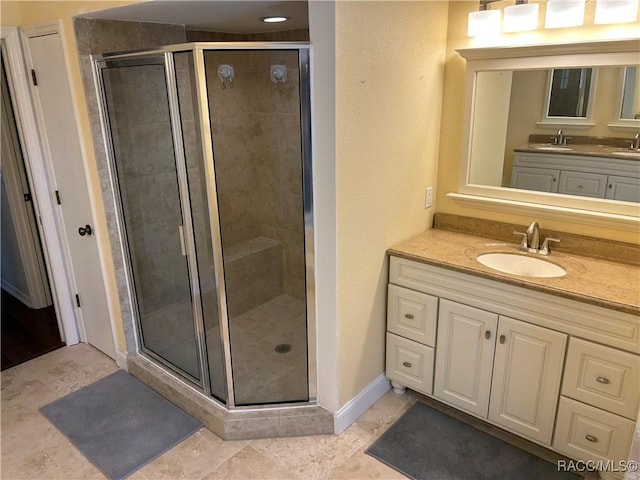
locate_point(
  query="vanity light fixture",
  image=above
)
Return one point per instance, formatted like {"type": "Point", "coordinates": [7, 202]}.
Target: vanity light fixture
{"type": "Point", "coordinates": [274, 19]}
{"type": "Point", "coordinates": [484, 22]}
{"type": "Point", "coordinates": [521, 17]}
{"type": "Point", "coordinates": [616, 11]}
{"type": "Point", "coordinates": [564, 13]}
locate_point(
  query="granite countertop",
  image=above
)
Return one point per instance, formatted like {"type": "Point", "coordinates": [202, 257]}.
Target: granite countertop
{"type": "Point", "coordinates": [590, 280]}
{"type": "Point", "coordinates": [588, 150]}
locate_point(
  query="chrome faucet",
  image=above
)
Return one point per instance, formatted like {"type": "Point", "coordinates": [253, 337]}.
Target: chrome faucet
{"type": "Point", "coordinates": [533, 235]}
{"type": "Point", "coordinates": [635, 144]}
{"type": "Point", "coordinates": [560, 138]}
{"type": "Point", "coordinates": [531, 240]}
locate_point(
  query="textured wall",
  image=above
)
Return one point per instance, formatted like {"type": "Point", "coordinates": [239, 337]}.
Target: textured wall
{"type": "Point", "coordinates": [389, 74]}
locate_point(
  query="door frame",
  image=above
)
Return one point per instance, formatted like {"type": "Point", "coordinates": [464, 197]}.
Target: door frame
{"type": "Point", "coordinates": [37, 294]}
{"type": "Point", "coordinates": [39, 168]}
{"type": "Point", "coordinates": [36, 168]}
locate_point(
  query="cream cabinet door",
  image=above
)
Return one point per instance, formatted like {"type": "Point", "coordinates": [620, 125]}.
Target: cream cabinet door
{"type": "Point", "coordinates": [464, 356]}
{"type": "Point", "coordinates": [526, 378]}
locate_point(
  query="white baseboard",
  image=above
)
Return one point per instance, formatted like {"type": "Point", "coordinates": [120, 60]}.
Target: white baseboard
{"type": "Point", "coordinates": [121, 360]}
{"type": "Point", "coordinates": [16, 293]}
{"type": "Point", "coordinates": [359, 404]}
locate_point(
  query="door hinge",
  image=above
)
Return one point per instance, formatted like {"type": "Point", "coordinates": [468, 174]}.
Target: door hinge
{"type": "Point", "coordinates": [34, 79]}
{"type": "Point", "coordinates": [58, 197]}
{"type": "Point", "coordinates": [77, 300]}
{"type": "Point", "coordinates": [27, 197]}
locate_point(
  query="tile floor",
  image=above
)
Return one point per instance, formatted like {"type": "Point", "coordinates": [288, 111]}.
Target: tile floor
{"type": "Point", "coordinates": [32, 448]}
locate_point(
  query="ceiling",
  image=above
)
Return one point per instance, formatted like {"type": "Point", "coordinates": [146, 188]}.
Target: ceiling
{"type": "Point", "coordinates": [236, 16]}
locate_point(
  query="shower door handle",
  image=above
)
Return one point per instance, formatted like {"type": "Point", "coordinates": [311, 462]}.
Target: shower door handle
{"type": "Point", "coordinates": [181, 235]}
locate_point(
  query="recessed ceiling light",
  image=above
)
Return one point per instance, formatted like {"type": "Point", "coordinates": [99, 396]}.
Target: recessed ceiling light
{"type": "Point", "coordinates": [274, 19]}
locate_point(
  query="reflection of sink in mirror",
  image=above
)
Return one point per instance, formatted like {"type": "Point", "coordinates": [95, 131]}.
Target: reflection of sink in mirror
{"type": "Point", "coordinates": [521, 265]}
{"type": "Point", "coordinates": [552, 147]}
{"type": "Point", "coordinates": [627, 153]}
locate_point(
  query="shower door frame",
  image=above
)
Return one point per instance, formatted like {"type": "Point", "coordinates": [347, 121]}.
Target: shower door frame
{"type": "Point", "coordinates": [166, 61]}
{"type": "Point", "coordinates": [198, 49]}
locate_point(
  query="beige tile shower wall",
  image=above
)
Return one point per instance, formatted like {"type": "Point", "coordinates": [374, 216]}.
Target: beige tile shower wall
{"type": "Point", "coordinates": [256, 129]}
{"type": "Point", "coordinates": [147, 176]}
{"type": "Point", "coordinates": [280, 174]}
{"type": "Point", "coordinates": [235, 147]}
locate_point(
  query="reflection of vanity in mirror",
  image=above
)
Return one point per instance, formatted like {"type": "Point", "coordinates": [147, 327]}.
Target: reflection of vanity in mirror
{"type": "Point", "coordinates": [553, 126]}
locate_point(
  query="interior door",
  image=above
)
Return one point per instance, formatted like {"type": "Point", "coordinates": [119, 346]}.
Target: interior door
{"type": "Point", "coordinates": [59, 132]}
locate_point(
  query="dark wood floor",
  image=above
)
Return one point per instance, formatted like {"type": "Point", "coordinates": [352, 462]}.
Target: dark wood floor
{"type": "Point", "coordinates": [26, 333]}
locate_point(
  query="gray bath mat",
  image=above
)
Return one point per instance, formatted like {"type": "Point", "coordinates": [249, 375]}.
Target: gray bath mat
{"type": "Point", "coordinates": [425, 444]}
{"type": "Point", "coordinates": [119, 423]}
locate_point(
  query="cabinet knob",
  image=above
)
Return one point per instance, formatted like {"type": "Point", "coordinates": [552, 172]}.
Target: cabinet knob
{"type": "Point", "coordinates": [487, 334]}
{"type": "Point", "coordinates": [407, 364]}
{"type": "Point", "coordinates": [603, 380]}
{"type": "Point", "coordinates": [409, 316]}
{"type": "Point", "coordinates": [502, 339]}
{"type": "Point", "coordinates": [591, 438]}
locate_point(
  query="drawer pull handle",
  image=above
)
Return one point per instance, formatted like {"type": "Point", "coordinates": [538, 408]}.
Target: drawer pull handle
{"type": "Point", "coordinates": [502, 338]}
{"type": "Point", "coordinates": [409, 316]}
{"type": "Point", "coordinates": [407, 364]}
{"type": "Point", "coordinates": [487, 334]}
{"type": "Point", "coordinates": [603, 380]}
{"type": "Point", "coordinates": [591, 438]}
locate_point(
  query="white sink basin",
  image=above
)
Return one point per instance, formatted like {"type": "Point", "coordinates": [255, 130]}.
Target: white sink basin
{"type": "Point", "coordinates": [521, 265]}
{"type": "Point", "coordinates": [553, 147]}
{"type": "Point", "coordinates": [629, 153]}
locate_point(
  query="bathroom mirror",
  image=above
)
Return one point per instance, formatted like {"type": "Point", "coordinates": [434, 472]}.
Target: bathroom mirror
{"type": "Point", "coordinates": [507, 89]}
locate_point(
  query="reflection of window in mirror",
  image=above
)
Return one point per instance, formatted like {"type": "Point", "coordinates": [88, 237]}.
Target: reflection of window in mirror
{"type": "Point", "coordinates": [570, 95]}
{"type": "Point", "coordinates": [630, 108]}
{"type": "Point", "coordinates": [569, 92]}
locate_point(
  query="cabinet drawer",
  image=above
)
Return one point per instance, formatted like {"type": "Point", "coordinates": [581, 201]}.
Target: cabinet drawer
{"type": "Point", "coordinates": [410, 363]}
{"type": "Point", "coordinates": [412, 315]}
{"type": "Point", "coordinates": [582, 183]}
{"type": "Point", "coordinates": [588, 433]}
{"type": "Point", "coordinates": [602, 376]}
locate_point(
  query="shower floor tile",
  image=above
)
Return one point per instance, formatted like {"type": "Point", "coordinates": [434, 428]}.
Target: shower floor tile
{"type": "Point", "coordinates": [261, 374]}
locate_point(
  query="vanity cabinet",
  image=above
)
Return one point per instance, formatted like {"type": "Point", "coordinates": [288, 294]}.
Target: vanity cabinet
{"type": "Point", "coordinates": [538, 179]}
{"type": "Point", "coordinates": [623, 188]}
{"type": "Point", "coordinates": [599, 402]}
{"type": "Point", "coordinates": [497, 351]}
{"type": "Point", "coordinates": [587, 176]}
{"type": "Point", "coordinates": [464, 359]}
{"type": "Point", "coordinates": [499, 368]}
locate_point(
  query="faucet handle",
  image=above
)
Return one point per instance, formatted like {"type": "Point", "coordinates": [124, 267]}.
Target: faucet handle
{"type": "Point", "coordinates": [524, 245]}
{"type": "Point", "coordinates": [545, 245]}
{"type": "Point", "coordinates": [566, 139]}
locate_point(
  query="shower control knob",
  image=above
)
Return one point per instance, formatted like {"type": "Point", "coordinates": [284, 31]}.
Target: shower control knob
{"type": "Point", "coordinates": [86, 230]}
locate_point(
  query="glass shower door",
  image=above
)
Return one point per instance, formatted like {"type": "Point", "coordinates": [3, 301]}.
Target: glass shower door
{"type": "Point", "coordinates": [153, 211]}
{"type": "Point", "coordinates": [255, 114]}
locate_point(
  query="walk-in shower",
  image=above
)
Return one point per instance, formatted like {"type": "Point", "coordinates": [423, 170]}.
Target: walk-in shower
{"type": "Point", "coordinates": [211, 172]}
